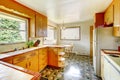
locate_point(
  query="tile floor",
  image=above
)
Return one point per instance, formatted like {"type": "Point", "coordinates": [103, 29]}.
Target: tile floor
{"type": "Point", "coordinates": [77, 67]}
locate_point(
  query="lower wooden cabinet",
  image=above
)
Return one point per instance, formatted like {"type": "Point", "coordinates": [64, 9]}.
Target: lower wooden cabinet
{"type": "Point", "coordinates": [37, 60]}
{"type": "Point", "coordinates": [116, 31]}
{"type": "Point", "coordinates": [8, 60]}
{"type": "Point", "coordinates": [43, 58]}
{"type": "Point", "coordinates": [20, 60]}
{"type": "Point", "coordinates": [32, 62]}
{"type": "Point", "coordinates": [27, 60]}
{"type": "Point", "coordinates": [54, 57]}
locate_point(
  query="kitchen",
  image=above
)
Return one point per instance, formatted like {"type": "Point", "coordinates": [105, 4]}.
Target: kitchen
{"type": "Point", "coordinates": [107, 17]}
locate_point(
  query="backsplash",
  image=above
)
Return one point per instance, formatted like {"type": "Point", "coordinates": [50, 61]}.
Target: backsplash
{"type": "Point", "coordinates": [10, 47]}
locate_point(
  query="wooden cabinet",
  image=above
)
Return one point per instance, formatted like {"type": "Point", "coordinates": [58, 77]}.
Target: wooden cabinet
{"type": "Point", "coordinates": [44, 25]}
{"type": "Point", "coordinates": [32, 61]}
{"type": "Point", "coordinates": [99, 19]}
{"type": "Point", "coordinates": [20, 60]}
{"type": "Point", "coordinates": [54, 59]}
{"type": "Point", "coordinates": [116, 30]}
{"type": "Point", "coordinates": [8, 60]}
{"type": "Point", "coordinates": [43, 58]}
{"type": "Point", "coordinates": [40, 25]}
{"type": "Point", "coordinates": [117, 13]}
{"type": "Point", "coordinates": [108, 16]}
{"type": "Point", "coordinates": [27, 60]}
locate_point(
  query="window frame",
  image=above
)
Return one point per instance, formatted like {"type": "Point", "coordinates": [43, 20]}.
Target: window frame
{"type": "Point", "coordinates": [71, 39]}
{"type": "Point", "coordinates": [26, 28]}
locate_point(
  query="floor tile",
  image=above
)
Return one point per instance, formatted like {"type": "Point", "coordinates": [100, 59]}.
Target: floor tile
{"type": "Point", "coordinates": [77, 67]}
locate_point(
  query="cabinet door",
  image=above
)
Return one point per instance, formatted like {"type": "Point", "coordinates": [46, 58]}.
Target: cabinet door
{"type": "Point", "coordinates": [20, 60]}
{"type": "Point", "coordinates": [106, 70]}
{"type": "Point", "coordinates": [53, 57]}
{"type": "Point", "coordinates": [99, 20]}
{"type": "Point", "coordinates": [44, 26]}
{"type": "Point", "coordinates": [41, 25]}
{"type": "Point", "coordinates": [108, 17]}
{"type": "Point", "coordinates": [42, 58]}
{"type": "Point", "coordinates": [23, 64]}
{"type": "Point", "coordinates": [38, 25]}
{"type": "Point", "coordinates": [115, 75]}
{"type": "Point", "coordinates": [117, 13]}
{"type": "Point", "coordinates": [116, 31]}
{"type": "Point", "coordinates": [33, 61]}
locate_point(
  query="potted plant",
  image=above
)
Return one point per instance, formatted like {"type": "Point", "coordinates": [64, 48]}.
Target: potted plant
{"type": "Point", "coordinates": [29, 44]}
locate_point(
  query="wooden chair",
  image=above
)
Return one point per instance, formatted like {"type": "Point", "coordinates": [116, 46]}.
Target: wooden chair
{"type": "Point", "coordinates": [68, 49]}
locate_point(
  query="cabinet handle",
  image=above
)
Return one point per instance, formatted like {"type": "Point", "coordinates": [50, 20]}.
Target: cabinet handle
{"type": "Point", "coordinates": [26, 65]}
{"type": "Point", "coordinates": [29, 63]}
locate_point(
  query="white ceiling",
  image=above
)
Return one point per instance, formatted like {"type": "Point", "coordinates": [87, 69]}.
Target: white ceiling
{"type": "Point", "coordinates": [68, 11]}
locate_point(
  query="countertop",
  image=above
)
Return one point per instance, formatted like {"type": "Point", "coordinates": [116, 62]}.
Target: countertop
{"type": "Point", "coordinates": [8, 54]}
{"type": "Point", "coordinates": [11, 72]}
{"type": "Point", "coordinates": [115, 61]}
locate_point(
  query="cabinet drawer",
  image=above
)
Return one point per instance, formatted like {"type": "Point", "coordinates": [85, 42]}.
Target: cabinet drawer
{"type": "Point", "coordinates": [19, 58]}
{"type": "Point", "coordinates": [31, 54]}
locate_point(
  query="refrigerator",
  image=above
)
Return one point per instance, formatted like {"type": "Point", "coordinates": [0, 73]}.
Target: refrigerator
{"type": "Point", "coordinates": [102, 39]}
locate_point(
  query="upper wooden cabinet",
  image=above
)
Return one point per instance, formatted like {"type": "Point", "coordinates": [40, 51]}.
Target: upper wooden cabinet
{"type": "Point", "coordinates": [108, 16]}
{"type": "Point", "coordinates": [40, 25]}
{"type": "Point", "coordinates": [99, 19]}
{"type": "Point", "coordinates": [116, 30]}
{"type": "Point", "coordinates": [116, 13]}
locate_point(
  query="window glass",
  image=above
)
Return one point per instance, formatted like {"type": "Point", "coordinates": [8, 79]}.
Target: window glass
{"type": "Point", "coordinates": [51, 33]}
{"type": "Point", "coordinates": [12, 29]}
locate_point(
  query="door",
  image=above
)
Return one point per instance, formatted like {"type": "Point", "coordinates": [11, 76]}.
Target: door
{"type": "Point", "coordinates": [91, 42]}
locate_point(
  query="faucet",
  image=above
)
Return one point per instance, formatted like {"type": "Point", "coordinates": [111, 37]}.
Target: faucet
{"type": "Point", "coordinates": [15, 49]}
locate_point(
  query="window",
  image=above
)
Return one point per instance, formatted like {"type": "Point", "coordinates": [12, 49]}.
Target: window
{"type": "Point", "coordinates": [70, 33]}
{"type": "Point", "coordinates": [50, 39]}
{"type": "Point", "coordinates": [50, 33]}
{"type": "Point", "coordinates": [13, 29]}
